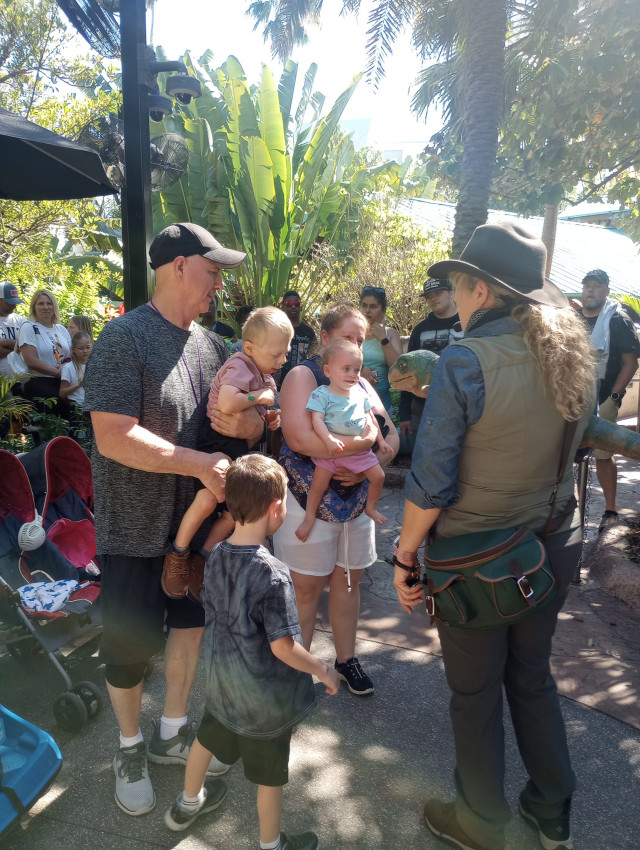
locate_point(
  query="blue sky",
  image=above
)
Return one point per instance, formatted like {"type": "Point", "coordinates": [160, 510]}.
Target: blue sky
{"type": "Point", "coordinates": [338, 48]}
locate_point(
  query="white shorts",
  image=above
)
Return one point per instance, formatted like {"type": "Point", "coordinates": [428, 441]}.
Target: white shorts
{"type": "Point", "coordinates": [351, 545]}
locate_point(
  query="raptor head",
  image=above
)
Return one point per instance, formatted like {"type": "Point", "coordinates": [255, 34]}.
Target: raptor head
{"type": "Point", "coordinates": [412, 372]}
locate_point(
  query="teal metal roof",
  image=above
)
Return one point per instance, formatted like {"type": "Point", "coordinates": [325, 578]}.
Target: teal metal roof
{"type": "Point", "coordinates": [579, 247]}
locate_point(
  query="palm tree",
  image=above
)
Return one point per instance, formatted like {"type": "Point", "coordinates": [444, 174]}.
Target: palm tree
{"type": "Point", "coordinates": [477, 30]}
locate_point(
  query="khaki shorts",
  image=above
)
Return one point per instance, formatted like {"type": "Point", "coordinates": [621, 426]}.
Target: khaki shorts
{"type": "Point", "coordinates": [598, 453]}
{"type": "Point", "coordinates": [351, 545]}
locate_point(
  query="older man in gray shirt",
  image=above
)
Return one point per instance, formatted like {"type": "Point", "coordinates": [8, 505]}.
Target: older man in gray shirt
{"type": "Point", "coordinates": [146, 385]}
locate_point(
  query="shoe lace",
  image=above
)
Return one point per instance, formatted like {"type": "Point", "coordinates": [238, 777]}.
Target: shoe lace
{"type": "Point", "coordinates": [176, 565]}
{"type": "Point", "coordinates": [188, 734]}
{"type": "Point", "coordinates": [132, 766]}
{"type": "Point", "coordinates": [355, 670]}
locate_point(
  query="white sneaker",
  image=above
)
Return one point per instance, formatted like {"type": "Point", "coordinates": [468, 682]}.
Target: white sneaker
{"type": "Point", "coordinates": [134, 791]}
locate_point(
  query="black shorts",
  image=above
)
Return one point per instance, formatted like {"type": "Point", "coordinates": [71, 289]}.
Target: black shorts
{"type": "Point", "coordinates": [135, 609]}
{"type": "Point", "coordinates": [211, 441]}
{"type": "Point", "coordinates": [265, 760]}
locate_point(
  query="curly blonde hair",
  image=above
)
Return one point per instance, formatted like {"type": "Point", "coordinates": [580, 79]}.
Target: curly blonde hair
{"type": "Point", "coordinates": [559, 342]}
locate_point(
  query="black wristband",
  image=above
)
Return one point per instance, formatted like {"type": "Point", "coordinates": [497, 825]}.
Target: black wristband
{"type": "Point", "coordinates": [397, 563]}
{"type": "Point", "coordinates": [385, 341]}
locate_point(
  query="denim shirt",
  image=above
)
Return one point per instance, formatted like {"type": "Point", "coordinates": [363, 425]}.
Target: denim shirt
{"type": "Point", "coordinates": [455, 402]}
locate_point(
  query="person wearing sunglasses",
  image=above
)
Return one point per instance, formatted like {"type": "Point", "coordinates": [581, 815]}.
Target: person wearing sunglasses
{"type": "Point", "coordinates": [382, 345]}
{"type": "Point", "coordinates": [304, 342]}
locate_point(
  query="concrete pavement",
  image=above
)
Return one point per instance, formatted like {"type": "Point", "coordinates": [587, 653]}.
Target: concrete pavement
{"type": "Point", "coordinates": [362, 767]}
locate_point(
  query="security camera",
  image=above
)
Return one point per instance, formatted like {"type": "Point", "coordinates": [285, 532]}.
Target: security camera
{"type": "Point", "coordinates": [159, 106]}
{"type": "Point", "coordinates": [183, 88]}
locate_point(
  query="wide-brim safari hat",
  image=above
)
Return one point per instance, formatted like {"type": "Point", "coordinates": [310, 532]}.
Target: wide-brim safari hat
{"type": "Point", "coordinates": [508, 255]}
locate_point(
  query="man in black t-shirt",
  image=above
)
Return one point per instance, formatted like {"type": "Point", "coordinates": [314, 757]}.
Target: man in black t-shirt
{"type": "Point", "coordinates": [304, 338]}
{"type": "Point", "coordinates": [617, 348]}
{"type": "Point", "coordinates": [432, 334]}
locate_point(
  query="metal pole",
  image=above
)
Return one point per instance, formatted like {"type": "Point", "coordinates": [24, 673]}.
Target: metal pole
{"type": "Point", "coordinates": [583, 477]}
{"type": "Point", "coordinates": [137, 216]}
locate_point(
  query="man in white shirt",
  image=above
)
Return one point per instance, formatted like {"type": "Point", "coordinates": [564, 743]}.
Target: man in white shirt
{"type": "Point", "coordinates": [9, 322]}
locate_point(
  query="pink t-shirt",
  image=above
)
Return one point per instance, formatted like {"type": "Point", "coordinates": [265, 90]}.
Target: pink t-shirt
{"type": "Point", "coordinates": [241, 372]}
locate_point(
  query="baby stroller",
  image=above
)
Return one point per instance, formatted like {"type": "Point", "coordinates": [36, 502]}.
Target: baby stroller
{"type": "Point", "coordinates": [29, 762]}
{"type": "Point", "coordinates": [47, 533]}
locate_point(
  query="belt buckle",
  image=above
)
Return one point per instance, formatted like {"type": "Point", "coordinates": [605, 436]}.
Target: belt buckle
{"type": "Point", "coordinates": [525, 588]}
{"type": "Point", "coordinates": [430, 605]}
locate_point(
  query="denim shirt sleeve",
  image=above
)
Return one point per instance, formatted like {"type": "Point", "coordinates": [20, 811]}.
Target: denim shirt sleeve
{"type": "Point", "coordinates": [455, 401]}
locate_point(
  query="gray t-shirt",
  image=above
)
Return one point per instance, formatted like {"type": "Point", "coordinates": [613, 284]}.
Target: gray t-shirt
{"type": "Point", "coordinates": [249, 601]}
{"type": "Point", "coordinates": [136, 369]}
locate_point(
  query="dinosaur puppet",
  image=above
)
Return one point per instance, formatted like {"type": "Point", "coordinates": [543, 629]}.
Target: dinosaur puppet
{"type": "Point", "coordinates": [412, 372]}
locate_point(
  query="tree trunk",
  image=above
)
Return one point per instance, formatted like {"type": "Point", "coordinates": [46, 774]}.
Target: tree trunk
{"type": "Point", "coordinates": [549, 229]}
{"type": "Point", "coordinates": [483, 93]}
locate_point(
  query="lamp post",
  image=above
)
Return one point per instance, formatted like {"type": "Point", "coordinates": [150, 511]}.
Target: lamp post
{"type": "Point", "coordinates": [140, 97]}
{"type": "Point", "coordinates": [137, 216]}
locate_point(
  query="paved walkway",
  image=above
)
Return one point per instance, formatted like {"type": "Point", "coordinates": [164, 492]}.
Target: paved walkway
{"type": "Point", "coordinates": [362, 767]}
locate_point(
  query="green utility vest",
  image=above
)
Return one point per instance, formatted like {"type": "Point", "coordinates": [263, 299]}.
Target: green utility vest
{"type": "Point", "coordinates": [509, 460]}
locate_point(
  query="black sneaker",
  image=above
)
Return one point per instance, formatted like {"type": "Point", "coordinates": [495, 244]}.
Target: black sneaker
{"type": "Point", "coordinates": [554, 832]}
{"type": "Point", "coordinates": [214, 792]}
{"type": "Point", "coordinates": [357, 680]}
{"type": "Point", "coordinates": [609, 519]}
{"type": "Point", "coordinates": [304, 841]}
{"type": "Point", "coordinates": [441, 819]}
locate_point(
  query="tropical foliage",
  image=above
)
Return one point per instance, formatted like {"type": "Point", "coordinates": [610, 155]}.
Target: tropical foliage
{"type": "Point", "coordinates": [391, 251]}
{"type": "Point", "coordinates": [266, 176]}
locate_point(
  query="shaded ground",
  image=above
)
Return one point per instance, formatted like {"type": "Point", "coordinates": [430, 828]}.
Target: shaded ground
{"type": "Point", "coordinates": [362, 768]}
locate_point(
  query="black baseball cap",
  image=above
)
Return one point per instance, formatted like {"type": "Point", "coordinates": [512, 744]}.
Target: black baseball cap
{"type": "Point", "coordinates": [9, 293]}
{"type": "Point", "coordinates": [436, 283]}
{"type": "Point", "coordinates": [185, 240]}
{"type": "Point", "coordinates": [597, 274]}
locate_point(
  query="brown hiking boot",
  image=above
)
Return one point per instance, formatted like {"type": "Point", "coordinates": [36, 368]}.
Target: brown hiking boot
{"type": "Point", "coordinates": [196, 575]}
{"type": "Point", "coordinates": [175, 575]}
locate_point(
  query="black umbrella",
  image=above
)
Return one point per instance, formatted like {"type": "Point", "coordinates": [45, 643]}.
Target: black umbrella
{"type": "Point", "coordinates": [38, 165]}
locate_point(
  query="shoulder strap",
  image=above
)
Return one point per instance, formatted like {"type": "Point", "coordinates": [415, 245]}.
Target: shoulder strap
{"type": "Point", "coordinates": [569, 432]}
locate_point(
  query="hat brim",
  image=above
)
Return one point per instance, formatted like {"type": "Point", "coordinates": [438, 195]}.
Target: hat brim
{"type": "Point", "coordinates": [226, 257]}
{"type": "Point", "coordinates": [13, 302]}
{"type": "Point", "coordinates": [548, 294]}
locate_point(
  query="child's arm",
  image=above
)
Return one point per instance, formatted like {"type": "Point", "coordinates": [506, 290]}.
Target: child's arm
{"type": "Point", "coordinates": [233, 400]}
{"type": "Point", "coordinates": [295, 655]}
{"type": "Point", "coordinates": [383, 446]}
{"type": "Point", "coordinates": [334, 445]}
{"type": "Point", "coordinates": [66, 388]}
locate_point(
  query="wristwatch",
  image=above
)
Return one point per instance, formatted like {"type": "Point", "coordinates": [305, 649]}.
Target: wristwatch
{"type": "Point", "coordinates": [385, 341]}
{"type": "Point", "coordinates": [615, 396]}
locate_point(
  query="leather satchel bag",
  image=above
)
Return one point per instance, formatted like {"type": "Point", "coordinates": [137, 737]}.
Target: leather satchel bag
{"type": "Point", "coordinates": [492, 578]}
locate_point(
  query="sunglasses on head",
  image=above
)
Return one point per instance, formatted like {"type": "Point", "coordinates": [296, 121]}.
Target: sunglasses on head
{"type": "Point", "coordinates": [378, 289]}
{"type": "Point", "coordinates": [291, 303]}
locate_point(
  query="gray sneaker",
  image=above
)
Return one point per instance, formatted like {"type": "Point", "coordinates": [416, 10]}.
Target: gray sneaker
{"type": "Point", "coordinates": [176, 750]}
{"type": "Point", "coordinates": [134, 792]}
{"type": "Point", "coordinates": [177, 818]}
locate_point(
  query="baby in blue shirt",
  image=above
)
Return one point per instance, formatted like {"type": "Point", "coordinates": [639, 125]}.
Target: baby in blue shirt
{"type": "Point", "coordinates": [344, 408]}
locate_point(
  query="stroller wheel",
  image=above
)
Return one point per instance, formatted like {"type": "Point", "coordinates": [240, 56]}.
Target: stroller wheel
{"type": "Point", "coordinates": [90, 696]}
{"type": "Point", "coordinates": [70, 712]}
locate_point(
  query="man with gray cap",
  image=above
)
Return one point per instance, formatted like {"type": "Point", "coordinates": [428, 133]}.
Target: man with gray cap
{"type": "Point", "coordinates": [9, 322]}
{"type": "Point", "coordinates": [145, 386]}
{"type": "Point", "coordinates": [432, 334]}
{"type": "Point", "coordinates": [617, 348]}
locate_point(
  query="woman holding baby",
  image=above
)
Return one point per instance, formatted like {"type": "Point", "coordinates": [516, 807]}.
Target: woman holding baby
{"type": "Point", "coordinates": [341, 543]}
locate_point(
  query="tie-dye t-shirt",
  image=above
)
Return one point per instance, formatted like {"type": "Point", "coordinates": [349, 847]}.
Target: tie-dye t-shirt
{"type": "Point", "coordinates": [249, 601]}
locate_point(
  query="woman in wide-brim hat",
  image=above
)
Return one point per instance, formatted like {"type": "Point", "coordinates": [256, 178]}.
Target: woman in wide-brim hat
{"type": "Point", "coordinates": [487, 457]}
